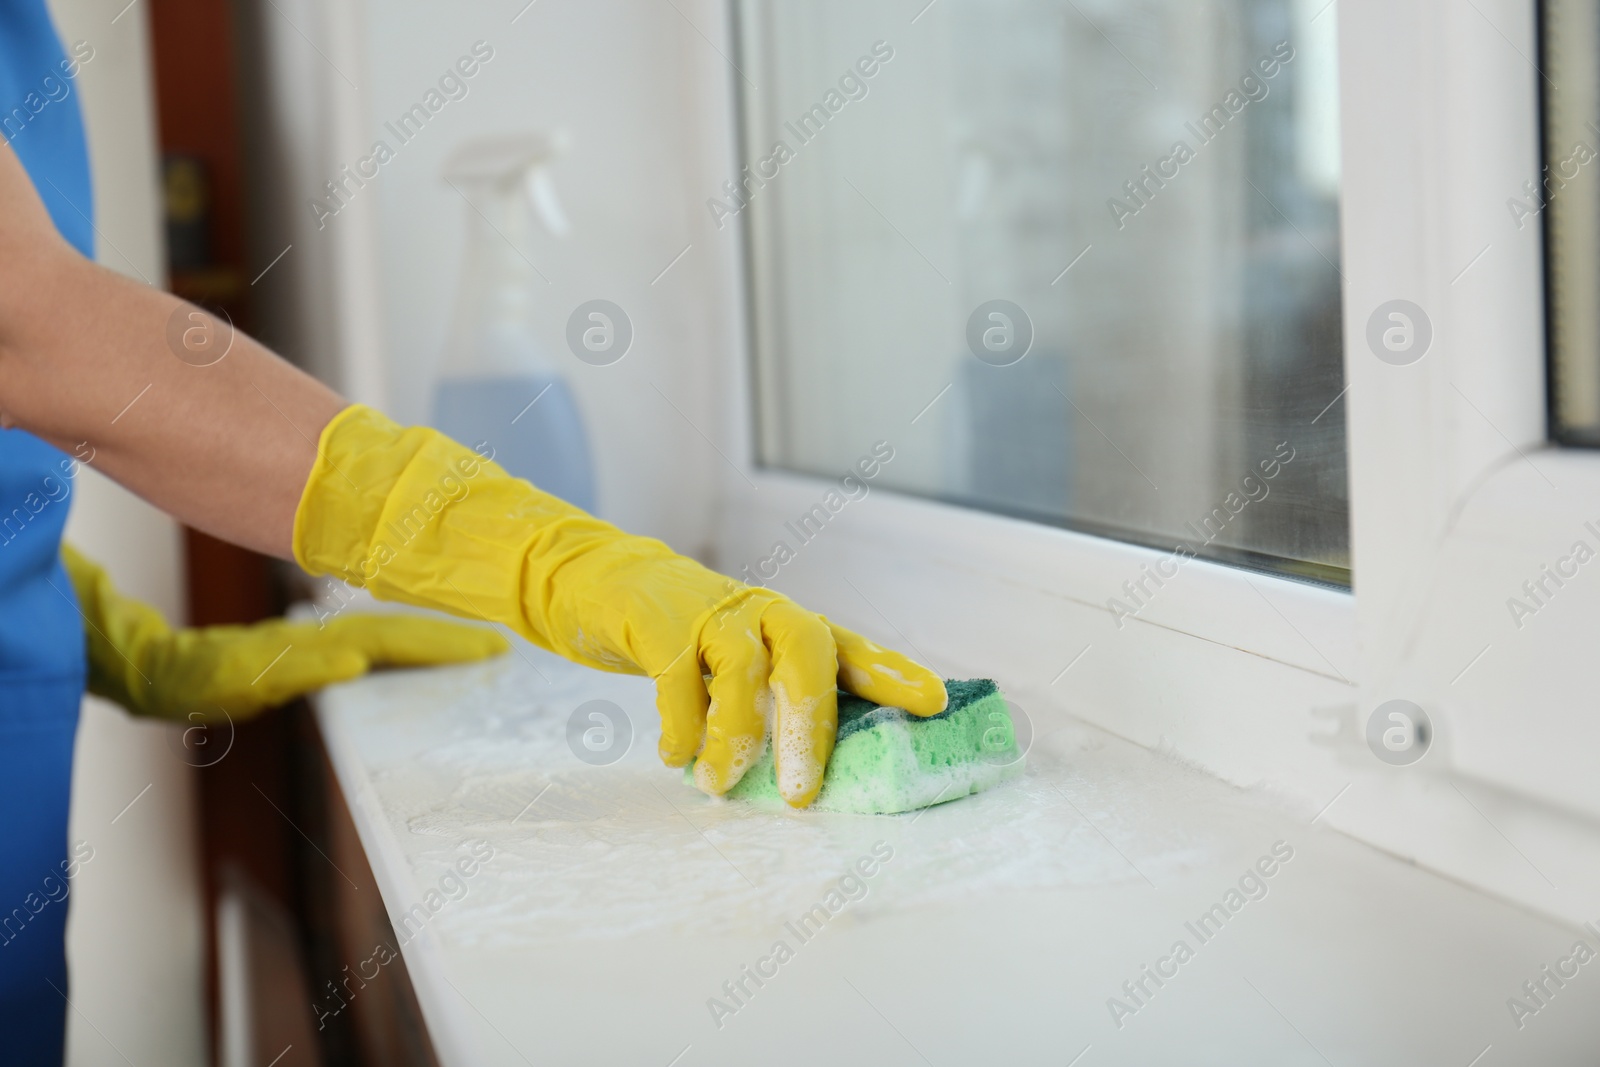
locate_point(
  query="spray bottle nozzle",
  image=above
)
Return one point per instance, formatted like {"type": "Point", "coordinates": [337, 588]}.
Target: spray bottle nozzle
{"type": "Point", "coordinates": [542, 195]}
{"type": "Point", "coordinates": [505, 162]}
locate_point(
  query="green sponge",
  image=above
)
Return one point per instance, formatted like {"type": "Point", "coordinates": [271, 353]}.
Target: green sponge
{"type": "Point", "coordinates": [887, 761]}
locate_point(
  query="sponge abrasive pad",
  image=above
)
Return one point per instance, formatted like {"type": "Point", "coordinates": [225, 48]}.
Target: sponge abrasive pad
{"type": "Point", "coordinates": [886, 760]}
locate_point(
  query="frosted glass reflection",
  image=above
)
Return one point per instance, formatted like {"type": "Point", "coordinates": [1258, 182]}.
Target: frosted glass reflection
{"type": "Point", "coordinates": [1153, 186]}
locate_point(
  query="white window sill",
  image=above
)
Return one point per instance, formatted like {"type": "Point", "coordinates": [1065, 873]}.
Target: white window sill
{"type": "Point", "coordinates": [618, 901]}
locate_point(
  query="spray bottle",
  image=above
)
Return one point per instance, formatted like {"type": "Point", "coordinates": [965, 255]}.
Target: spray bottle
{"type": "Point", "coordinates": [498, 383]}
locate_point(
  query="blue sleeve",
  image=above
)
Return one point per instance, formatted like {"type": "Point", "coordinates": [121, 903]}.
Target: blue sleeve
{"type": "Point", "coordinates": [40, 118]}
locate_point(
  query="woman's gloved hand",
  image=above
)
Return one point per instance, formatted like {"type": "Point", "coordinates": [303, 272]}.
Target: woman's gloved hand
{"type": "Point", "coordinates": [414, 516]}
{"type": "Point", "coordinates": [196, 675]}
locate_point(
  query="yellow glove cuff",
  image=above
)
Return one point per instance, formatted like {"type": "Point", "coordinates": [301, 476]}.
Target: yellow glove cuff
{"type": "Point", "coordinates": [411, 515]}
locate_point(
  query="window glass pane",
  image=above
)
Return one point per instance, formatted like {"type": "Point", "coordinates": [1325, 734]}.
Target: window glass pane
{"type": "Point", "coordinates": [1138, 199]}
{"type": "Point", "coordinates": [1568, 199]}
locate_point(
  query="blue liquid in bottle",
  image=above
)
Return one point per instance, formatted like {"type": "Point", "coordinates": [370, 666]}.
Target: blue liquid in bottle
{"type": "Point", "coordinates": [531, 421]}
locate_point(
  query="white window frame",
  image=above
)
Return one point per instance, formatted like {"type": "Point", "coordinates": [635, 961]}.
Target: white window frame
{"type": "Point", "coordinates": [1267, 681]}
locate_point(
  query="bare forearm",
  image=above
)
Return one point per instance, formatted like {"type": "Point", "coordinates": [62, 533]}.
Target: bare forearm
{"type": "Point", "coordinates": [94, 363]}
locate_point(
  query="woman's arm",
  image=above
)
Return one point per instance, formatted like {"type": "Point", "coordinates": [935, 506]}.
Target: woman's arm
{"type": "Point", "coordinates": [85, 358]}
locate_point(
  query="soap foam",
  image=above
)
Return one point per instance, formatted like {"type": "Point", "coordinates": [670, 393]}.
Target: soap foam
{"type": "Point", "coordinates": [797, 765]}
{"type": "Point", "coordinates": [601, 856]}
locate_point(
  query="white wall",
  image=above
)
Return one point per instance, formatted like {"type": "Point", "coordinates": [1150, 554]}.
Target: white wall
{"type": "Point", "coordinates": [134, 937]}
{"type": "Point", "coordinates": [624, 80]}
{"type": "Point", "coordinates": [299, 62]}
{"type": "Point", "coordinates": [364, 301]}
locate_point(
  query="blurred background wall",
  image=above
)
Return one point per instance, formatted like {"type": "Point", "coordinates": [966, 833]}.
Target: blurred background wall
{"type": "Point", "coordinates": [364, 298]}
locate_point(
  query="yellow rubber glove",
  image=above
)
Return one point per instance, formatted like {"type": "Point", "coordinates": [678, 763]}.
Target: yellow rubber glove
{"type": "Point", "coordinates": [197, 675]}
{"type": "Point", "coordinates": [413, 516]}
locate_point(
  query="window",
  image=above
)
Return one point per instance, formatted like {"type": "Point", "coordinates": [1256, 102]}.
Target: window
{"type": "Point", "coordinates": [1077, 263]}
{"type": "Point", "coordinates": [1568, 196]}
{"type": "Point", "coordinates": [1459, 507]}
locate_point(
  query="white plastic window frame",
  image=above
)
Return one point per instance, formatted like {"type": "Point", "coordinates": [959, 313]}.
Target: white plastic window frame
{"type": "Point", "coordinates": [1268, 681]}
{"type": "Point", "coordinates": [1458, 499]}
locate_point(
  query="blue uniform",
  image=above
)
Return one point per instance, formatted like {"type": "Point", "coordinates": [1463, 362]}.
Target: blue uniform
{"type": "Point", "coordinates": [41, 633]}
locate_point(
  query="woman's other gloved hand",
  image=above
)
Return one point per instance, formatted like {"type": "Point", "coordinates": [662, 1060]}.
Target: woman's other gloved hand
{"type": "Point", "coordinates": [197, 675]}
